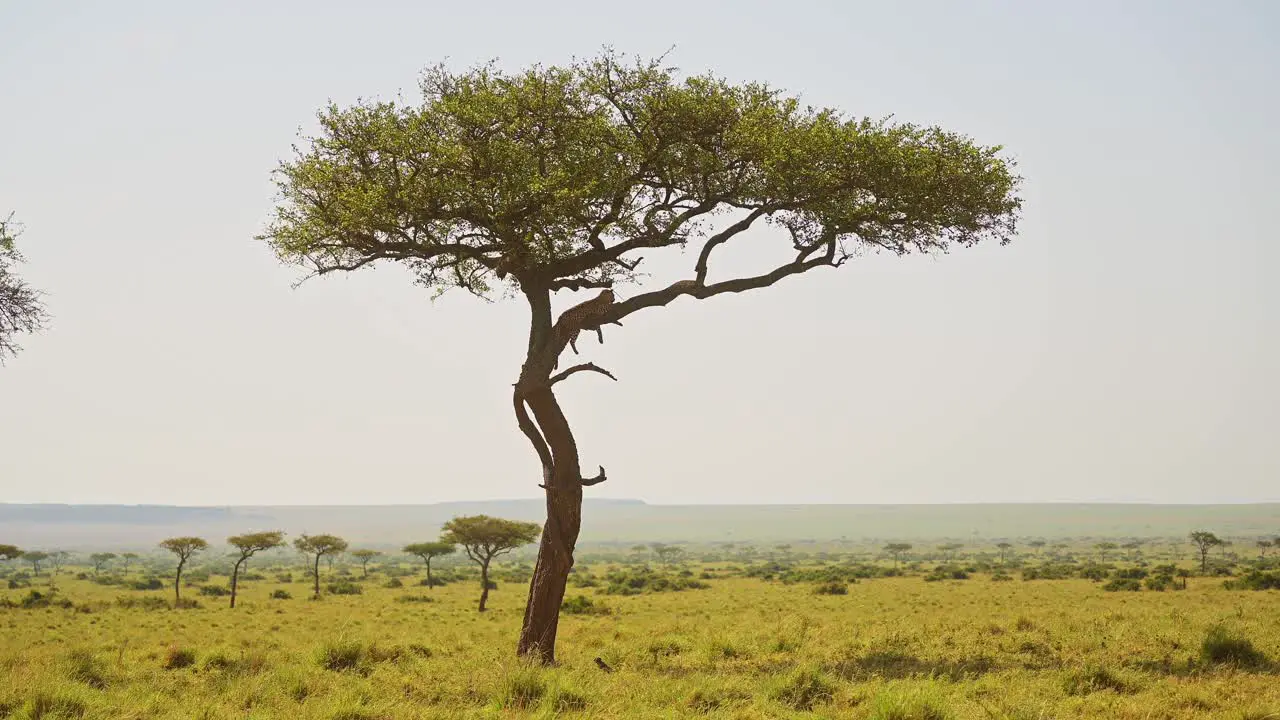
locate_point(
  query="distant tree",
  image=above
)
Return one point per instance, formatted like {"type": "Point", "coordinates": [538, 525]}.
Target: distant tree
{"type": "Point", "coordinates": [363, 557]}
{"type": "Point", "coordinates": [1004, 548]}
{"type": "Point", "coordinates": [949, 551]}
{"type": "Point", "coordinates": [247, 546]}
{"type": "Point", "coordinates": [1104, 549]}
{"type": "Point", "coordinates": [316, 547]}
{"type": "Point", "coordinates": [669, 553]}
{"type": "Point", "coordinates": [21, 308]}
{"type": "Point", "coordinates": [897, 550]}
{"type": "Point", "coordinates": [1184, 574]}
{"type": "Point", "coordinates": [35, 557]}
{"type": "Point", "coordinates": [57, 559]}
{"type": "Point", "coordinates": [184, 548]}
{"type": "Point", "coordinates": [484, 538]}
{"type": "Point", "coordinates": [128, 558]}
{"type": "Point", "coordinates": [1263, 546]}
{"type": "Point", "coordinates": [640, 549]}
{"type": "Point", "coordinates": [1204, 542]}
{"type": "Point", "coordinates": [1036, 545]}
{"type": "Point", "coordinates": [554, 178]}
{"type": "Point", "coordinates": [10, 552]}
{"type": "Point", "coordinates": [100, 560]}
{"type": "Point", "coordinates": [427, 550]}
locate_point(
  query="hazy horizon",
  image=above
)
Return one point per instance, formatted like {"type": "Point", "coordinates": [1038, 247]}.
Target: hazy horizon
{"type": "Point", "coordinates": [1121, 350]}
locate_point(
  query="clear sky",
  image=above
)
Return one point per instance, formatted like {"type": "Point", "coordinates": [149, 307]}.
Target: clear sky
{"type": "Point", "coordinates": [1125, 348]}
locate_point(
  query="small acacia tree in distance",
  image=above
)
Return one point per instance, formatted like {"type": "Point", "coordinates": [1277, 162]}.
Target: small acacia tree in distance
{"type": "Point", "coordinates": [10, 552]}
{"type": "Point", "coordinates": [183, 548]}
{"type": "Point", "coordinates": [35, 557]}
{"type": "Point", "coordinates": [484, 538]}
{"type": "Point", "coordinates": [562, 178]}
{"type": "Point", "coordinates": [363, 557]}
{"type": "Point", "coordinates": [249, 545]}
{"type": "Point", "coordinates": [316, 547]}
{"type": "Point", "coordinates": [897, 550]}
{"type": "Point", "coordinates": [1004, 548]}
{"type": "Point", "coordinates": [427, 550]}
{"type": "Point", "coordinates": [1204, 542]}
{"type": "Point", "coordinates": [100, 560]}
{"type": "Point", "coordinates": [127, 559]}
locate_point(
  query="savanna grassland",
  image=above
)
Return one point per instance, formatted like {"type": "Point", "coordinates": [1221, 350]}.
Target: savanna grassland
{"type": "Point", "coordinates": [741, 640]}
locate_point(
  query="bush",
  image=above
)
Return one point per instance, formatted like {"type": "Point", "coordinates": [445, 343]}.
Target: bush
{"type": "Point", "coordinates": [150, 583]}
{"type": "Point", "coordinates": [1001, 577]}
{"type": "Point", "coordinates": [214, 591]}
{"type": "Point", "coordinates": [415, 599]}
{"type": "Point", "coordinates": [83, 667]}
{"type": "Point", "coordinates": [393, 583]}
{"type": "Point", "coordinates": [281, 594]}
{"type": "Point", "coordinates": [176, 658]}
{"type": "Point", "coordinates": [1255, 580]}
{"type": "Point", "coordinates": [186, 604]}
{"type": "Point", "coordinates": [947, 572]}
{"type": "Point", "coordinates": [635, 581]}
{"type": "Point", "coordinates": [150, 602]}
{"type": "Point", "coordinates": [284, 578]}
{"type": "Point", "coordinates": [582, 605]}
{"type": "Point", "coordinates": [1221, 647]}
{"type": "Point", "coordinates": [831, 588]}
{"type": "Point", "coordinates": [1122, 584]}
{"type": "Point", "coordinates": [344, 587]}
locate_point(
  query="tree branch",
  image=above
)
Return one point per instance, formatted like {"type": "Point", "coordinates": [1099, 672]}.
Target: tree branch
{"type": "Point", "coordinates": [599, 478]}
{"type": "Point", "coordinates": [584, 367]}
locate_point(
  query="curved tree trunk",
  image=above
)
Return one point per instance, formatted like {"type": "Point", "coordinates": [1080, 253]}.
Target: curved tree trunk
{"type": "Point", "coordinates": [316, 576]}
{"type": "Point", "coordinates": [177, 584]}
{"type": "Point", "coordinates": [235, 576]}
{"type": "Point", "coordinates": [563, 481]}
{"type": "Point", "coordinates": [484, 584]}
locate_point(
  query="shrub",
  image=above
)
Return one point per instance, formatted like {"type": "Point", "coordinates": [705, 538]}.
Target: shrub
{"type": "Point", "coordinates": [1221, 647]}
{"type": "Point", "coordinates": [186, 604]}
{"type": "Point", "coordinates": [803, 689]}
{"type": "Point", "coordinates": [344, 587]}
{"type": "Point", "coordinates": [947, 572]}
{"type": "Point", "coordinates": [151, 583]}
{"type": "Point", "coordinates": [1255, 580]}
{"type": "Point", "coordinates": [176, 658]}
{"type": "Point", "coordinates": [582, 605]}
{"type": "Point", "coordinates": [47, 705]}
{"type": "Point", "coordinates": [281, 594]}
{"type": "Point", "coordinates": [284, 578]}
{"type": "Point", "coordinates": [393, 583]}
{"type": "Point", "coordinates": [415, 599]}
{"type": "Point", "coordinates": [214, 591]}
{"type": "Point", "coordinates": [1001, 577]}
{"type": "Point", "coordinates": [1122, 584]}
{"type": "Point", "coordinates": [834, 587]}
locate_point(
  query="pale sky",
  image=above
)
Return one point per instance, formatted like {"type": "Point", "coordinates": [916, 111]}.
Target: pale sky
{"type": "Point", "coordinates": [1124, 348]}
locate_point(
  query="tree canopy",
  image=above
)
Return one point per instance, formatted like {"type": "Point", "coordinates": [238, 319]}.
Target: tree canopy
{"type": "Point", "coordinates": [427, 550]}
{"type": "Point", "coordinates": [10, 552]}
{"type": "Point", "coordinates": [185, 547]}
{"type": "Point", "coordinates": [21, 307]}
{"type": "Point", "coordinates": [484, 537]}
{"type": "Point", "coordinates": [251, 544]}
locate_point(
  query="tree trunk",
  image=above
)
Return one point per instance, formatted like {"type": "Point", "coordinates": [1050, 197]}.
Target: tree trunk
{"type": "Point", "coordinates": [235, 576]}
{"type": "Point", "coordinates": [177, 584]}
{"type": "Point", "coordinates": [429, 586]}
{"type": "Point", "coordinates": [316, 577]}
{"type": "Point", "coordinates": [563, 481]}
{"type": "Point", "coordinates": [484, 583]}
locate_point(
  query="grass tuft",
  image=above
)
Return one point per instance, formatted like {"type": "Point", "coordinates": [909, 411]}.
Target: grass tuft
{"type": "Point", "coordinates": [1222, 647]}
{"type": "Point", "coordinates": [803, 689]}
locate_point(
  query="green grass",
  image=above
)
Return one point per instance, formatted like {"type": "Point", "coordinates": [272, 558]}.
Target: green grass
{"type": "Point", "coordinates": [892, 648]}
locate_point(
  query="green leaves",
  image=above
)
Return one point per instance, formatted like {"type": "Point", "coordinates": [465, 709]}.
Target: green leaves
{"type": "Point", "coordinates": [560, 172]}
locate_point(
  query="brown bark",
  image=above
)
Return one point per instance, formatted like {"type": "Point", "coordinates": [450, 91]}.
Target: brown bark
{"type": "Point", "coordinates": [177, 583]}
{"type": "Point", "coordinates": [484, 583]}
{"type": "Point", "coordinates": [235, 576]}
{"type": "Point", "coordinates": [316, 576]}
{"type": "Point", "coordinates": [563, 481]}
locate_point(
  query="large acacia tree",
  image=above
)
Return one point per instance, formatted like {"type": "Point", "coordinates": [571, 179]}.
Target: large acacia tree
{"type": "Point", "coordinates": [560, 178]}
{"type": "Point", "coordinates": [247, 546]}
{"type": "Point", "coordinates": [21, 307]}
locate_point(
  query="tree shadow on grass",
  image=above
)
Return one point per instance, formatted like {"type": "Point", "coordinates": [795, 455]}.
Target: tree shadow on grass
{"type": "Point", "coordinates": [894, 665]}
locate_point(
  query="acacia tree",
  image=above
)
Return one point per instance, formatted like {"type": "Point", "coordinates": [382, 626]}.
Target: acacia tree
{"type": "Point", "coordinates": [1004, 548]}
{"type": "Point", "coordinates": [363, 557]}
{"type": "Point", "coordinates": [100, 560]}
{"type": "Point", "coordinates": [667, 554]}
{"type": "Point", "coordinates": [1036, 545]}
{"type": "Point", "coordinates": [897, 550]}
{"type": "Point", "coordinates": [249, 545]}
{"type": "Point", "coordinates": [128, 558]}
{"type": "Point", "coordinates": [316, 547]}
{"type": "Point", "coordinates": [184, 548]}
{"type": "Point", "coordinates": [10, 552]}
{"type": "Point", "coordinates": [484, 538]}
{"type": "Point", "coordinates": [1204, 542]}
{"type": "Point", "coordinates": [35, 557]}
{"type": "Point", "coordinates": [21, 308]}
{"type": "Point", "coordinates": [949, 551]}
{"type": "Point", "coordinates": [427, 550]}
{"type": "Point", "coordinates": [557, 178]}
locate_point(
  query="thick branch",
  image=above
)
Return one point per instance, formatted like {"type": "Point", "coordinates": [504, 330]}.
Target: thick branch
{"type": "Point", "coordinates": [580, 283]}
{"type": "Point", "coordinates": [599, 478]}
{"type": "Point", "coordinates": [584, 367]}
{"type": "Point", "coordinates": [700, 270]}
